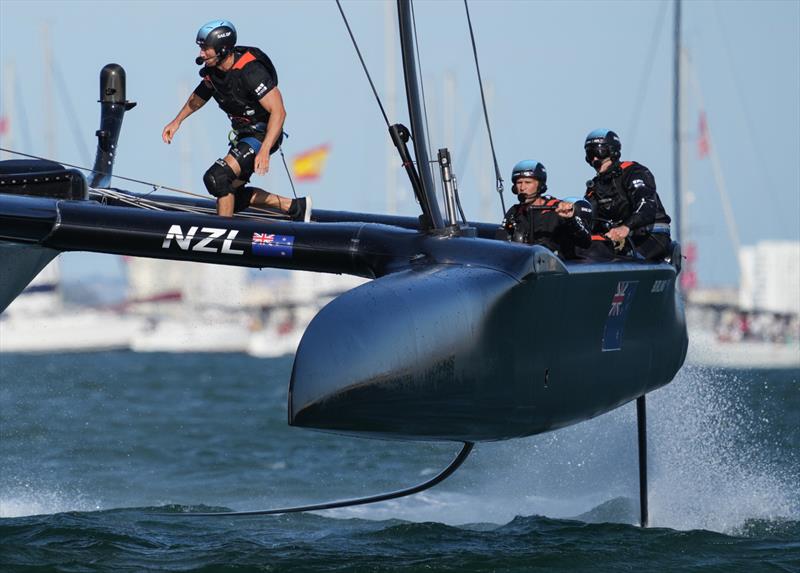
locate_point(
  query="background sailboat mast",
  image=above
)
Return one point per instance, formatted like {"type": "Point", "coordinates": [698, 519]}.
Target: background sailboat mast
{"type": "Point", "coordinates": [430, 207]}
{"type": "Point", "coordinates": [676, 126]}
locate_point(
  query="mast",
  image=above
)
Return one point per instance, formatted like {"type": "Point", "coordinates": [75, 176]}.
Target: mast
{"type": "Point", "coordinates": [427, 194]}
{"type": "Point", "coordinates": [676, 125]}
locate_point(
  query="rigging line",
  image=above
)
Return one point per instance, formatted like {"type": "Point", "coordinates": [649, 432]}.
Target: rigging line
{"type": "Point", "coordinates": [155, 186]}
{"type": "Point", "coordinates": [422, 89]}
{"type": "Point", "coordinates": [288, 174]}
{"type": "Point", "coordinates": [655, 38]}
{"type": "Point", "coordinates": [136, 201]}
{"type": "Point", "coordinates": [440, 477]}
{"type": "Point", "coordinates": [363, 65]}
{"type": "Point", "coordinates": [498, 177]}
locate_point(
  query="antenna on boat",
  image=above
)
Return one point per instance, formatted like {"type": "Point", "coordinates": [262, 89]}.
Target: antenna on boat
{"type": "Point", "coordinates": [113, 107]}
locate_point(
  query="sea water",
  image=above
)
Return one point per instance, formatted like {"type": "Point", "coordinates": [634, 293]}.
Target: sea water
{"type": "Point", "coordinates": [93, 447]}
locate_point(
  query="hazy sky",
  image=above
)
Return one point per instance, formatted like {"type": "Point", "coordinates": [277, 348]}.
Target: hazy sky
{"type": "Point", "coordinates": [556, 70]}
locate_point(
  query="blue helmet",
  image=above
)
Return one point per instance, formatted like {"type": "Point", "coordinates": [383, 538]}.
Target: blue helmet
{"type": "Point", "coordinates": [529, 168]}
{"type": "Point", "coordinates": [602, 144]}
{"type": "Point", "coordinates": [217, 34]}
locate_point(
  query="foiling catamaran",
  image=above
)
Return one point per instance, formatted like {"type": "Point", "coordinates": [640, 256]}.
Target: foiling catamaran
{"type": "Point", "coordinates": [436, 347]}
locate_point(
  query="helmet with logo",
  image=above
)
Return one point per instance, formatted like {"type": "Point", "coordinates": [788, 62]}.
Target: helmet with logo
{"type": "Point", "coordinates": [529, 168]}
{"type": "Point", "coordinates": [217, 34]}
{"type": "Point", "coordinates": [602, 144]}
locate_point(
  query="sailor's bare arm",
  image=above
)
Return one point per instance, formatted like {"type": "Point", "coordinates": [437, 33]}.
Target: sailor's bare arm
{"type": "Point", "coordinates": [194, 103]}
{"type": "Point", "coordinates": [273, 103]}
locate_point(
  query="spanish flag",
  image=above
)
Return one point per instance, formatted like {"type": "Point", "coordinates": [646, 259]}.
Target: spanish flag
{"type": "Point", "coordinates": [308, 166]}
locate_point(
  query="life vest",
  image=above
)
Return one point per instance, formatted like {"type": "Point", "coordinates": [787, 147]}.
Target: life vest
{"type": "Point", "coordinates": [230, 92]}
{"type": "Point", "coordinates": [607, 192]}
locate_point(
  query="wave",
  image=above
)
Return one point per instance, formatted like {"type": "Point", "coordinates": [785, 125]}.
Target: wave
{"type": "Point", "coordinates": [144, 538]}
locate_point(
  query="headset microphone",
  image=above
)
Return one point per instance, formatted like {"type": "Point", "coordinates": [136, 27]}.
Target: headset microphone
{"type": "Point", "coordinates": [199, 60]}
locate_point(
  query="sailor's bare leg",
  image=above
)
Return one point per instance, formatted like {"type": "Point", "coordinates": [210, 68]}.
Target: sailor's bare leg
{"type": "Point", "coordinates": [225, 205]}
{"type": "Point", "coordinates": [262, 198]}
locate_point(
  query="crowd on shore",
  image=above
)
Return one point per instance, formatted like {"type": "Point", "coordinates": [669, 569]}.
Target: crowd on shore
{"type": "Point", "coordinates": [731, 324]}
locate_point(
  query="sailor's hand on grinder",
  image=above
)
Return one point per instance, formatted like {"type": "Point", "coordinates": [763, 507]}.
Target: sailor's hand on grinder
{"type": "Point", "coordinates": [565, 209]}
{"type": "Point", "coordinates": [262, 163]}
{"type": "Point", "coordinates": [618, 236]}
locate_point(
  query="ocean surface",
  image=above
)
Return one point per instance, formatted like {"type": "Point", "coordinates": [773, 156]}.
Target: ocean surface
{"type": "Point", "coordinates": [93, 447]}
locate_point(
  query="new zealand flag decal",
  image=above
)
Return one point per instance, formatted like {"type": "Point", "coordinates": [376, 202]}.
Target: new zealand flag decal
{"type": "Point", "coordinates": [615, 322]}
{"type": "Point", "coordinates": [272, 245]}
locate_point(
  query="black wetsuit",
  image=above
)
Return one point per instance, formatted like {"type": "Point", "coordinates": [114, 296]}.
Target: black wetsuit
{"type": "Point", "coordinates": [538, 226]}
{"type": "Point", "coordinates": [625, 194]}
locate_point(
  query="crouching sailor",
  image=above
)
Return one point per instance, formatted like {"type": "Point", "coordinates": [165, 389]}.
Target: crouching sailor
{"type": "Point", "coordinates": [244, 83]}
{"type": "Point", "coordinates": [539, 219]}
{"type": "Point", "coordinates": [627, 210]}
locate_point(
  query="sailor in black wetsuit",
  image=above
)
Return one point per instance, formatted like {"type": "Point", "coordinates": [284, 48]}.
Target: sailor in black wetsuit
{"type": "Point", "coordinates": [244, 83]}
{"type": "Point", "coordinates": [628, 215]}
{"type": "Point", "coordinates": [540, 219]}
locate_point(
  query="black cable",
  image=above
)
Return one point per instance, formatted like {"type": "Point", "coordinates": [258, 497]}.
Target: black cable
{"type": "Point", "coordinates": [155, 186]}
{"type": "Point", "coordinates": [288, 174]}
{"type": "Point", "coordinates": [363, 65]}
{"type": "Point", "coordinates": [499, 177]}
{"type": "Point", "coordinates": [441, 476]}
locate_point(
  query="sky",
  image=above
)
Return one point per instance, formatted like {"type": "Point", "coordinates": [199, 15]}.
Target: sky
{"type": "Point", "coordinates": [554, 71]}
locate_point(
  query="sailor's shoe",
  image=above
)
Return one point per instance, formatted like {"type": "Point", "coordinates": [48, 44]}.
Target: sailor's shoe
{"type": "Point", "coordinates": [301, 209]}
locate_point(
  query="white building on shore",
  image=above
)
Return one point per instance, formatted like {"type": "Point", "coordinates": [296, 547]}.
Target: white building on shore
{"type": "Point", "coordinates": [770, 278]}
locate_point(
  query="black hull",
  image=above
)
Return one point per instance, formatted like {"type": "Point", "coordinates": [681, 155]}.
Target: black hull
{"type": "Point", "coordinates": [472, 354]}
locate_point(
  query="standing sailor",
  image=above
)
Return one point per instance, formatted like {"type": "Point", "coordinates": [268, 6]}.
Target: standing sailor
{"type": "Point", "coordinates": [627, 210]}
{"type": "Point", "coordinates": [539, 219]}
{"type": "Point", "coordinates": [244, 83]}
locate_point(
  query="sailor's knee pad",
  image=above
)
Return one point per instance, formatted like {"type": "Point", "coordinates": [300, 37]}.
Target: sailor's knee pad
{"type": "Point", "coordinates": [218, 179]}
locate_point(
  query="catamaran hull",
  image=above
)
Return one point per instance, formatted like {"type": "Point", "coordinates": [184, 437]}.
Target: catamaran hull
{"type": "Point", "coordinates": [457, 338]}
{"type": "Point", "coordinates": [452, 352]}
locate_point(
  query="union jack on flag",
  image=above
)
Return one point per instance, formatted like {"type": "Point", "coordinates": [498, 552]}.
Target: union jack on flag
{"type": "Point", "coordinates": [272, 245]}
{"type": "Point", "coordinates": [262, 238]}
{"type": "Point", "coordinates": [618, 299]}
{"type": "Point", "coordinates": [615, 323]}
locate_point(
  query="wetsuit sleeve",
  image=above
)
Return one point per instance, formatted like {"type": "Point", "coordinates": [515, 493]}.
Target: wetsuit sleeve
{"type": "Point", "coordinates": [640, 185]}
{"type": "Point", "coordinates": [580, 231]}
{"type": "Point", "coordinates": [506, 226]}
{"type": "Point", "coordinates": [203, 90]}
{"type": "Point", "coordinates": [257, 79]}
{"type": "Point", "coordinates": [589, 221]}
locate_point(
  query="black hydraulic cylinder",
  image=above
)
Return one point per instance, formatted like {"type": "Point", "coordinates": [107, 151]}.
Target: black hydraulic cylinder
{"type": "Point", "coordinates": [400, 136]}
{"type": "Point", "coordinates": [113, 107]}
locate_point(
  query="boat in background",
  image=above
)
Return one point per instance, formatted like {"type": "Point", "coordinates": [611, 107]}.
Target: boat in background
{"type": "Point", "coordinates": [39, 321]}
{"type": "Point", "coordinates": [290, 307]}
{"type": "Point", "coordinates": [207, 313]}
